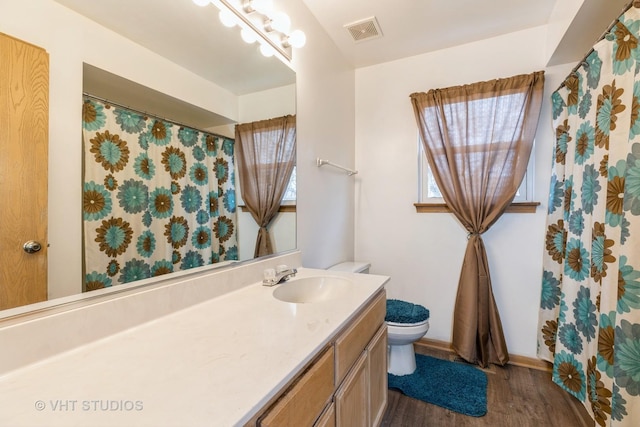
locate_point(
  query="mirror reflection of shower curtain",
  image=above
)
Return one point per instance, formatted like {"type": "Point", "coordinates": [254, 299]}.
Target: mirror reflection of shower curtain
{"type": "Point", "coordinates": [158, 197]}
{"type": "Point", "coordinates": [589, 322]}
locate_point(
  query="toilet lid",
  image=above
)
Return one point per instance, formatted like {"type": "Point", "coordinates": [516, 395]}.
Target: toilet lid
{"type": "Point", "coordinates": [399, 311]}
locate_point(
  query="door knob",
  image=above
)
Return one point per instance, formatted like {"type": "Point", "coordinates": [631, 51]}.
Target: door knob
{"type": "Point", "coordinates": [31, 247]}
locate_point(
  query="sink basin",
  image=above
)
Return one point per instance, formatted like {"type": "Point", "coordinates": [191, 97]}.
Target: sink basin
{"type": "Point", "coordinates": [311, 289]}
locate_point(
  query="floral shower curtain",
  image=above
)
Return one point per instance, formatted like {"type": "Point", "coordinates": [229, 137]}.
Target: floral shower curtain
{"type": "Point", "coordinates": [157, 197]}
{"type": "Point", "coordinates": [589, 323]}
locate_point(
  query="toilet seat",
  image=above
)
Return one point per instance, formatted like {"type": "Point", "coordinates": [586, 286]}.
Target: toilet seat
{"type": "Point", "coordinates": [407, 325]}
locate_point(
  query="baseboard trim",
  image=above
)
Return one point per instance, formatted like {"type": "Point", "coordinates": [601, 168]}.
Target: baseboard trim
{"type": "Point", "coordinates": [514, 359]}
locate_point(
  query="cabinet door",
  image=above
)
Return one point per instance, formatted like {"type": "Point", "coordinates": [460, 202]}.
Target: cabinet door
{"type": "Point", "coordinates": [328, 417]}
{"type": "Point", "coordinates": [377, 372]}
{"type": "Point", "coordinates": [303, 403]}
{"type": "Point", "coordinates": [352, 398]}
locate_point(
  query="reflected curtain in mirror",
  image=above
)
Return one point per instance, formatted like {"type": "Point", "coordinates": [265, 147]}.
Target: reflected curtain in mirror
{"type": "Point", "coordinates": [158, 197]}
{"type": "Point", "coordinates": [266, 153]}
{"type": "Point", "coordinates": [478, 140]}
{"type": "Point", "coordinates": [589, 319]}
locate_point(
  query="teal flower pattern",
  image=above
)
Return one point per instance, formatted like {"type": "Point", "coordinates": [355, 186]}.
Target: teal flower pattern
{"type": "Point", "coordinates": [635, 115]}
{"type": "Point", "coordinates": [556, 194]}
{"type": "Point", "coordinates": [585, 141]}
{"type": "Point", "coordinates": [144, 166]}
{"type": "Point", "coordinates": [201, 238]}
{"type": "Point", "coordinates": [585, 105]}
{"type": "Point", "coordinates": [568, 372]}
{"type": "Point", "coordinates": [594, 68]}
{"type": "Point", "coordinates": [627, 366]}
{"type": "Point", "coordinates": [96, 202]}
{"type": "Point", "coordinates": [188, 137]}
{"type": "Point", "coordinates": [146, 244]}
{"type": "Point", "coordinates": [129, 121]}
{"type": "Point", "coordinates": [161, 267]}
{"type": "Point", "coordinates": [191, 199]}
{"type": "Point", "coordinates": [584, 311]}
{"type": "Point", "coordinates": [133, 196]}
{"type": "Point", "coordinates": [557, 104]}
{"type": "Point", "coordinates": [227, 147]}
{"type": "Point", "coordinates": [202, 217]}
{"type": "Point", "coordinates": [569, 337]}
{"type": "Point", "coordinates": [577, 260]}
{"type": "Point", "coordinates": [550, 296]}
{"type": "Point", "coordinates": [198, 153]}
{"type": "Point", "coordinates": [93, 116]}
{"type": "Point", "coordinates": [191, 260]}
{"type": "Point", "coordinates": [628, 287]}
{"type": "Point", "coordinates": [159, 132]}
{"type": "Point", "coordinates": [590, 188]}
{"type": "Point", "coordinates": [146, 186]}
{"type": "Point", "coordinates": [96, 280]}
{"type": "Point", "coordinates": [199, 174]}
{"type": "Point", "coordinates": [576, 222]}
{"type": "Point", "coordinates": [134, 270]}
{"type": "Point", "coordinates": [632, 181]}
{"type": "Point", "coordinates": [229, 200]}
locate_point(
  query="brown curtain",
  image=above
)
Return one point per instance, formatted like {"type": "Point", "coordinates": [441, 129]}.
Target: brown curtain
{"type": "Point", "coordinates": [478, 140]}
{"type": "Point", "coordinates": [266, 153]}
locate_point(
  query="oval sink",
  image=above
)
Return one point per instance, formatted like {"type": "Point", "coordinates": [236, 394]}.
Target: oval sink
{"type": "Point", "coordinates": [311, 289]}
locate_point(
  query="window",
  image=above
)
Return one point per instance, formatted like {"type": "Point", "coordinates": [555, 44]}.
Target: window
{"type": "Point", "coordinates": [429, 193]}
{"type": "Point", "coordinates": [289, 197]}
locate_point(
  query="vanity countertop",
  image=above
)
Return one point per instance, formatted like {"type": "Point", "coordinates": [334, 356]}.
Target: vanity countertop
{"type": "Point", "coordinates": [216, 363]}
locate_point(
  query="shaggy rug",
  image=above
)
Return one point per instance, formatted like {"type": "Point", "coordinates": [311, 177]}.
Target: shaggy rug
{"type": "Point", "coordinates": [456, 386]}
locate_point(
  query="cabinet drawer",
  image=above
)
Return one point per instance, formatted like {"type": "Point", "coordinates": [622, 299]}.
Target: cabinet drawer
{"type": "Point", "coordinates": [351, 343]}
{"type": "Point", "coordinates": [304, 401]}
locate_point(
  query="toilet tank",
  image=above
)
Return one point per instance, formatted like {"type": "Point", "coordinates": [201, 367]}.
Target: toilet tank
{"type": "Point", "coordinates": [351, 267]}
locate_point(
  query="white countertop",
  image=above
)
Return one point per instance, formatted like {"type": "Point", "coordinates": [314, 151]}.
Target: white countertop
{"type": "Point", "coordinates": [213, 364]}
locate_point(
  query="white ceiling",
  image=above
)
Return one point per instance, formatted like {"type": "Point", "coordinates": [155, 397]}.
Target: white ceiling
{"type": "Point", "coordinates": [412, 27]}
{"type": "Point", "coordinates": [192, 37]}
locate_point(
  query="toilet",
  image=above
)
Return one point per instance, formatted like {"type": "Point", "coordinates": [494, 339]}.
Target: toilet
{"type": "Point", "coordinates": [406, 324]}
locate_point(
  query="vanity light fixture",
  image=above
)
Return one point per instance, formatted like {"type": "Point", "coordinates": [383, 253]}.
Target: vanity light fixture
{"type": "Point", "coordinates": [258, 21]}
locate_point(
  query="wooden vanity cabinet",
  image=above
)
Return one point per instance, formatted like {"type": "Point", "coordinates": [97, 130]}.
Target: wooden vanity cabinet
{"type": "Point", "coordinates": [346, 386]}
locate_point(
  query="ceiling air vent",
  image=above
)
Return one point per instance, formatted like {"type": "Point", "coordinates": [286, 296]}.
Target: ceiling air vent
{"type": "Point", "coordinates": [365, 29]}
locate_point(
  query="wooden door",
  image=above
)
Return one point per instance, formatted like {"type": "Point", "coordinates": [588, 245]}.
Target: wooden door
{"type": "Point", "coordinates": [24, 131]}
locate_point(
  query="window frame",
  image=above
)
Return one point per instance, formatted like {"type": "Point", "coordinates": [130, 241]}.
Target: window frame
{"type": "Point", "coordinates": [523, 203]}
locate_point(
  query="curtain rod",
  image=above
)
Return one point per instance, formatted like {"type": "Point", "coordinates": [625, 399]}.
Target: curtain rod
{"type": "Point", "coordinates": [155, 116]}
{"type": "Point", "coordinates": [632, 3]}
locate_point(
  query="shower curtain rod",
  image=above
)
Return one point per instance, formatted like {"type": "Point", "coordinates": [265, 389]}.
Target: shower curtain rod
{"type": "Point", "coordinates": [632, 3]}
{"type": "Point", "coordinates": [155, 116]}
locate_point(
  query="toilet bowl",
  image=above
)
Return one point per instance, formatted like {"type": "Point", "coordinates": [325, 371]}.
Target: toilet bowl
{"type": "Point", "coordinates": [406, 324]}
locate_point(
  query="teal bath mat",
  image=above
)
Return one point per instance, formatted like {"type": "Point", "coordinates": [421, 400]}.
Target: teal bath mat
{"type": "Point", "coordinates": [458, 387]}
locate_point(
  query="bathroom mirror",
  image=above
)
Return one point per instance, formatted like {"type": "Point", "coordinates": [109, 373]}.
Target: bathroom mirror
{"type": "Point", "coordinates": [193, 38]}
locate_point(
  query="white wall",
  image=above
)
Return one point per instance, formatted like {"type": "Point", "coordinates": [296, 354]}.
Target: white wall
{"type": "Point", "coordinates": [326, 128]}
{"type": "Point", "coordinates": [423, 252]}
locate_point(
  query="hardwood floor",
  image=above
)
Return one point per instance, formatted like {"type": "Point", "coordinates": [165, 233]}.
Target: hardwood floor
{"type": "Point", "coordinates": [516, 396]}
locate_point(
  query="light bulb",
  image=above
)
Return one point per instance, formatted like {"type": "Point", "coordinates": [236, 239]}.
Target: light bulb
{"type": "Point", "coordinates": [248, 36]}
{"type": "Point", "coordinates": [297, 39]}
{"type": "Point", "coordinates": [227, 18]}
{"type": "Point", "coordinates": [281, 22]}
{"type": "Point", "coordinates": [202, 2]}
{"type": "Point", "coordinates": [265, 7]}
{"type": "Point", "coordinates": [267, 50]}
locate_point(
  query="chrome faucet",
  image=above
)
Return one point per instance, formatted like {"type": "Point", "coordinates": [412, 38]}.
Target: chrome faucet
{"type": "Point", "coordinates": [282, 273]}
